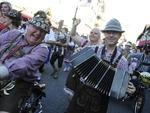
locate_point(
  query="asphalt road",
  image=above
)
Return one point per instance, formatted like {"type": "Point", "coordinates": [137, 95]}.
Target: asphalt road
{"type": "Point", "coordinates": [56, 100]}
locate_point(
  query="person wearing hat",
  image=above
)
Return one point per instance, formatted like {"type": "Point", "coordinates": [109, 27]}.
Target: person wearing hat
{"type": "Point", "coordinates": [20, 58]}
{"type": "Point", "coordinates": [140, 68]}
{"type": "Point", "coordinates": [88, 100]}
{"type": "Point", "coordinates": [13, 20]}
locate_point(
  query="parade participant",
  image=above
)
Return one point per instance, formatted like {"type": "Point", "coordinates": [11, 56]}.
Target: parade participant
{"type": "Point", "coordinates": [127, 49]}
{"type": "Point", "coordinates": [49, 36]}
{"type": "Point", "coordinates": [13, 20]}
{"type": "Point", "coordinates": [143, 57]}
{"type": "Point", "coordinates": [70, 50]}
{"type": "Point", "coordinates": [21, 57]}
{"type": "Point", "coordinates": [94, 40]}
{"type": "Point", "coordinates": [59, 49]}
{"type": "Point", "coordinates": [58, 53]}
{"type": "Point", "coordinates": [43, 14]}
{"type": "Point", "coordinates": [88, 100]}
{"type": "Point", "coordinates": [94, 36]}
{"type": "Point", "coordinates": [140, 68]}
{"type": "Point", "coordinates": [5, 7]}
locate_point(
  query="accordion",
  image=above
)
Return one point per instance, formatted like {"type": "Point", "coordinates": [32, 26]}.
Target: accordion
{"type": "Point", "coordinates": [95, 73]}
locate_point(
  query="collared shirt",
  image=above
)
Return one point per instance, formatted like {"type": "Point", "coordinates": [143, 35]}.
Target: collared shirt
{"type": "Point", "coordinates": [122, 64]}
{"type": "Point", "coordinates": [50, 37]}
{"type": "Point", "coordinates": [26, 62]}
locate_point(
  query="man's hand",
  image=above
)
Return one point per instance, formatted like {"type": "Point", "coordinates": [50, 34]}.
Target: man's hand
{"type": "Point", "coordinates": [4, 73]}
{"type": "Point", "coordinates": [131, 88]}
{"type": "Point", "coordinates": [76, 22]}
{"type": "Point", "coordinates": [61, 22]}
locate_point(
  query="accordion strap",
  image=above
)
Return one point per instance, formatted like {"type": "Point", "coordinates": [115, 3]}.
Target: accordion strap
{"type": "Point", "coordinates": [103, 54]}
{"type": "Point", "coordinates": [117, 60]}
{"type": "Point", "coordinates": [96, 49]}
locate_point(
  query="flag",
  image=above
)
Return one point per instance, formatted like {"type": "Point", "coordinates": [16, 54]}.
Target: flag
{"type": "Point", "coordinates": [144, 37]}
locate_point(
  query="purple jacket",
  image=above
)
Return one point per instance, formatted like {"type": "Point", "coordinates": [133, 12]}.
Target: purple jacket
{"type": "Point", "coordinates": [25, 63]}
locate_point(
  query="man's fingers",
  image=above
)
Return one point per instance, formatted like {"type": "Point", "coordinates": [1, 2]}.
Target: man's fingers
{"type": "Point", "coordinates": [131, 88]}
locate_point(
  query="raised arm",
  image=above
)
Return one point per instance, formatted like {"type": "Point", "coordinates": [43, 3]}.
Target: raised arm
{"type": "Point", "coordinates": [77, 39]}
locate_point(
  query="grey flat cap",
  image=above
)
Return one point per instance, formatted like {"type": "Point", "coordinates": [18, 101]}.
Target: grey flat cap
{"type": "Point", "coordinates": [113, 25]}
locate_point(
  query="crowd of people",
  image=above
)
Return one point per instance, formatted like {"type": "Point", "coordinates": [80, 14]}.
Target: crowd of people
{"type": "Point", "coordinates": [25, 47]}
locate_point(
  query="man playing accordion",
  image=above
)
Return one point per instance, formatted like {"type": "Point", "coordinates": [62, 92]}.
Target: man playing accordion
{"type": "Point", "coordinates": [87, 100]}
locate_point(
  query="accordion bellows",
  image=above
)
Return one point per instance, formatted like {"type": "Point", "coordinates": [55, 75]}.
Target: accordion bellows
{"type": "Point", "coordinates": [99, 75]}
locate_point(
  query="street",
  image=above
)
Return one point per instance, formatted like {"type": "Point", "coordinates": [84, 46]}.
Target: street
{"type": "Point", "coordinates": [56, 100]}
